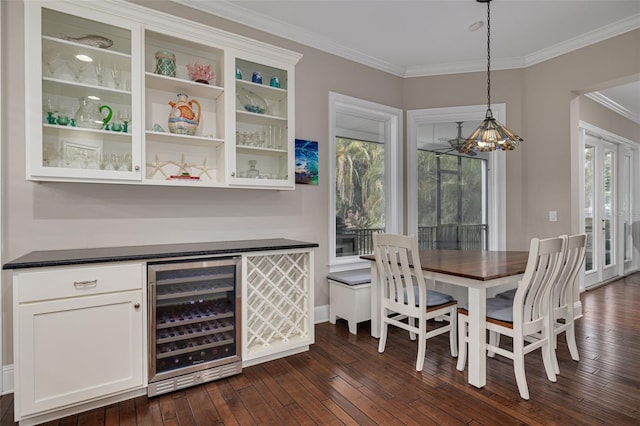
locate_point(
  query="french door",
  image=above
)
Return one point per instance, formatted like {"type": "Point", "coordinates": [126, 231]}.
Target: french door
{"type": "Point", "coordinates": [599, 205]}
{"type": "Point", "coordinates": [608, 189]}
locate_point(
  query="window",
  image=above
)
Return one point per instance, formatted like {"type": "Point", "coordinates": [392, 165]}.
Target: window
{"type": "Point", "coordinates": [455, 201]}
{"type": "Point", "coordinates": [451, 201]}
{"type": "Point", "coordinates": [366, 171]}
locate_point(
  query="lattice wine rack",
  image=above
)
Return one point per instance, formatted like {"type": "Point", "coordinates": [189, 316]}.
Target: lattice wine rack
{"type": "Point", "coordinates": [278, 303]}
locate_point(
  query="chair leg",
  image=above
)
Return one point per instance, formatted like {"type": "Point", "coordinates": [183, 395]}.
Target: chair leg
{"type": "Point", "coordinates": [570, 335]}
{"type": "Point", "coordinates": [462, 342]}
{"type": "Point", "coordinates": [554, 356]}
{"type": "Point", "coordinates": [412, 323]}
{"type": "Point", "coordinates": [494, 340]}
{"type": "Point", "coordinates": [549, 360]}
{"type": "Point", "coordinates": [518, 370]}
{"type": "Point", "coordinates": [383, 335]}
{"type": "Point", "coordinates": [453, 338]}
{"type": "Point", "coordinates": [422, 345]}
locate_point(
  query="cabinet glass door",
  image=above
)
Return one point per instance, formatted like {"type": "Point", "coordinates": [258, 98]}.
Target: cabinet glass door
{"type": "Point", "coordinates": [184, 111]}
{"type": "Point", "coordinates": [263, 144]}
{"type": "Point", "coordinates": [85, 102]}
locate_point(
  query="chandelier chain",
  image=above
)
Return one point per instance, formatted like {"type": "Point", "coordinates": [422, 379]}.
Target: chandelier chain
{"type": "Point", "coordinates": [489, 54]}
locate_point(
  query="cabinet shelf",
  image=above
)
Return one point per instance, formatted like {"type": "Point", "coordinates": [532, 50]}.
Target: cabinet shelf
{"type": "Point", "coordinates": [183, 139]}
{"type": "Point", "coordinates": [72, 48]}
{"type": "Point", "coordinates": [259, 119]}
{"type": "Point", "coordinates": [178, 85]}
{"type": "Point", "coordinates": [121, 135]}
{"type": "Point", "coordinates": [262, 151]}
{"type": "Point", "coordinates": [67, 88]}
{"type": "Point", "coordinates": [265, 91]}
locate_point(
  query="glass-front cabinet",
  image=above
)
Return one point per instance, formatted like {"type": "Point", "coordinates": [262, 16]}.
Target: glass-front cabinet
{"type": "Point", "coordinates": [184, 111]}
{"type": "Point", "coordinates": [80, 124]}
{"type": "Point", "coordinates": [263, 143]}
{"type": "Point", "coordinates": [113, 95]}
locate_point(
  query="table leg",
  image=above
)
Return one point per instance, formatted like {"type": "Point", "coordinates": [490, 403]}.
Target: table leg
{"type": "Point", "coordinates": [477, 354]}
{"type": "Point", "coordinates": [375, 302]}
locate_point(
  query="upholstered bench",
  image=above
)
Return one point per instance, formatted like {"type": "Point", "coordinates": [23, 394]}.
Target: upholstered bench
{"type": "Point", "coordinates": [350, 297]}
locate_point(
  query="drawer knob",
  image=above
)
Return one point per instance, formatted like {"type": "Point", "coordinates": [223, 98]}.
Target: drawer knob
{"type": "Point", "coordinates": [82, 285]}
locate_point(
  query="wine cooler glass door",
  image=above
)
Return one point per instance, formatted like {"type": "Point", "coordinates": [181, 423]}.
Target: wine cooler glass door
{"type": "Point", "coordinates": [194, 317]}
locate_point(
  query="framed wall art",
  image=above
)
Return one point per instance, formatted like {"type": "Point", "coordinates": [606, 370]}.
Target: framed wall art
{"type": "Point", "coordinates": [306, 162]}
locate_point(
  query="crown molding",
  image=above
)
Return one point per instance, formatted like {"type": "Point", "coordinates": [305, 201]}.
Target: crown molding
{"type": "Point", "coordinates": [625, 25]}
{"type": "Point", "coordinates": [614, 106]}
{"type": "Point", "coordinates": [296, 34]}
{"type": "Point", "coordinates": [282, 29]}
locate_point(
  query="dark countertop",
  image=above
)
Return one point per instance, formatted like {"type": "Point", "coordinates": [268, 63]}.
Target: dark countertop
{"type": "Point", "coordinates": [41, 259]}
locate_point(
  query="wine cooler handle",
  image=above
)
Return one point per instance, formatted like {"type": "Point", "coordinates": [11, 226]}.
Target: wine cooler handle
{"type": "Point", "coordinates": [81, 285]}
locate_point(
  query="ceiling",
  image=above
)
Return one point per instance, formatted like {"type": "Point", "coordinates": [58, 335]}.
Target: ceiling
{"type": "Point", "coordinates": [431, 37]}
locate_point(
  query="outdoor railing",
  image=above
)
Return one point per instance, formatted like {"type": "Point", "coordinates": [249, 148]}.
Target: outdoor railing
{"type": "Point", "coordinates": [359, 241]}
{"type": "Point", "coordinates": [453, 237]}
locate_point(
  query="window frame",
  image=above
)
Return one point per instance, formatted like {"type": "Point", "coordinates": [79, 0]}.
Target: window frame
{"type": "Point", "coordinates": [391, 118]}
{"type": "Point", "coordinates": [496, 166]}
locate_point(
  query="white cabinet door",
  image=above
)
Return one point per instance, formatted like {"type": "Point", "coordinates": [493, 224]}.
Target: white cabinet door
{"type": "Point", "coordinates": [73, 350]}
{"type": "Point", "coordinates": [82, 94]}
{"type": "Point", "coordinates": [261, 154]}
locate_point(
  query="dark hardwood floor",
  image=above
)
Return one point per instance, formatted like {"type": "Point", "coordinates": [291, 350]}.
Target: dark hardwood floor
{"type": "Point", "coordinates": [343, 380]}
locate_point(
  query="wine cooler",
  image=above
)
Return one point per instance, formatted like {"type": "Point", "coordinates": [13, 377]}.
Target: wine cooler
{"type": "Point", "coordinates": [194, 322]}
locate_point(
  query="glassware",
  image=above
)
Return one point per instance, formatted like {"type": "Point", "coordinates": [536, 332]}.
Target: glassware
{"type": "Point", "coordinates": [252, 173]}
{"type": "Point", "coordinates": [251, 102]}
{"type": "Point", "coordinates": [165, 63]}
{"type": "Point", "coordinates": [116, 74]}
{"type": "Point", "coordinates": [256, 77]}
{"type": "Point", "coordinates": [77, 68]}
{"type": "Point", "coordinates": [90, 114]}
{"type": "Point", "coordinates": [52, 61]}
{"type": "Point", "coordinates": [99, 68]}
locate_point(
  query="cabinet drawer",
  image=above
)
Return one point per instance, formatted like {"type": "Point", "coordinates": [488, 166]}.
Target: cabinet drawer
{"type": "Point", "coordinates": [73, 281]}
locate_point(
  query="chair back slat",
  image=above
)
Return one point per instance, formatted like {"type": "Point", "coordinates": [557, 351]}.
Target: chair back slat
{"type": "Point", "coordinates": [395, 255]}
{"type": "Point", "coordinates": [543, 267]}
{"type": "Point", "coordinates": [563, 292]}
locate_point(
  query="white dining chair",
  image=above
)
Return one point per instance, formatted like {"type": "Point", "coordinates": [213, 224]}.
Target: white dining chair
{"type": "Point", "coordinates": [563, 296]}
{"type": "Point", "coordinates": [525, 318]}
{"type": "Point", "coordinates": [405, 300]}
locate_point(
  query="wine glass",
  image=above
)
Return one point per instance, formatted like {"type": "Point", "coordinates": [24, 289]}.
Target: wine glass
{"type": "Point", "coordinates": [116, 74]}
{"type": "Point", "coordinates": [77, 68]}
{"type": "Point", "coordinates": [52, 61]}
{"type": "Point", "coordinates": [99, 68]}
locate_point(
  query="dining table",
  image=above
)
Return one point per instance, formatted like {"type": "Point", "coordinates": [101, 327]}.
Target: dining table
{"type": "Point", "coordinates": [477, 270]}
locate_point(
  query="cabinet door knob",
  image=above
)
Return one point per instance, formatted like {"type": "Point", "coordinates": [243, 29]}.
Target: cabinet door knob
{"type": "Point", "coordinates": [136, 305]}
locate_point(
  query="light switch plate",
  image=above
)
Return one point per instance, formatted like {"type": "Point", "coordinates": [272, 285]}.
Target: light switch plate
{"type": "Point", "coordinates": [553, 216]}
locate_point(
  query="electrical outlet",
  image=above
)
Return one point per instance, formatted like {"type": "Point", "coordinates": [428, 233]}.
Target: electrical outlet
{"type": "Point", "coordinates": [553, 216]}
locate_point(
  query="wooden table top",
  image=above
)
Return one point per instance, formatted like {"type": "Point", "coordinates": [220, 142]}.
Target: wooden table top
{"type": "Point", "coordinates": [473, 264]}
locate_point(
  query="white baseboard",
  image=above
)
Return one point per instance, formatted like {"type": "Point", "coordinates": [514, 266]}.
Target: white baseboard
{"type": "Point", "coordinates": [7, 379]}
{"type": "Point", "coordinates": [321, 314]}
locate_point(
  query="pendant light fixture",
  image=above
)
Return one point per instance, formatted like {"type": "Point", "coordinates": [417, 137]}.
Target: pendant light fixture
{"type": "Point", "coordinates": [490, 134]}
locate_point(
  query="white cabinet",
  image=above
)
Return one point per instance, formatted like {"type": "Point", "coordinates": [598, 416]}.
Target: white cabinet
{"type": "Point", "coordinates": [278, 305]}
{"type": "Point", "coordinates": [79, 93]}
{"type": "Point", "coordinates": [78, 335]}
{"type": "Point", "coordinates": [131, 68]}
{"type": "Point", "coordinates": [264, 139]}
